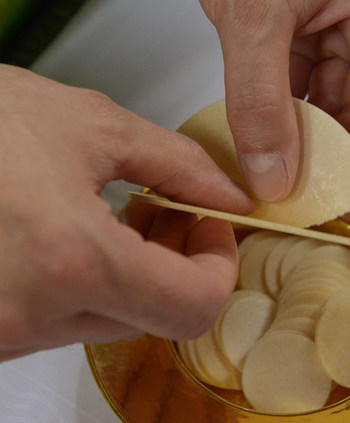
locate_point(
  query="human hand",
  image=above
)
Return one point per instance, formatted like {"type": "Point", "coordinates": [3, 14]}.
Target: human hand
{"type": "Point", "coordinates": [273, 50]}
{"type": "Point", "coordinates": [70, 270]}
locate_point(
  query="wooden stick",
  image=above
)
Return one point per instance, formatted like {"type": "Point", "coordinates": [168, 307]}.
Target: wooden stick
{"type": "Point", "coordinates": [234, 218]}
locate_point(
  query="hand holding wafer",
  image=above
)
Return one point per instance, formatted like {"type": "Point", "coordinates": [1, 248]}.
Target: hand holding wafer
{"type": "Point", "coordinates": [271, 51]}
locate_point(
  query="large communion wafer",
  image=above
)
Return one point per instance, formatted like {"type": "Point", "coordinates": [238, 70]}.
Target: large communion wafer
{"type": "Point", "coordinates": [322, 190]}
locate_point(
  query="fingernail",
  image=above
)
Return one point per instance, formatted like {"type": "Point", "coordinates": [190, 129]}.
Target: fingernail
{"type": "Point", "coordinates": [266, 175]}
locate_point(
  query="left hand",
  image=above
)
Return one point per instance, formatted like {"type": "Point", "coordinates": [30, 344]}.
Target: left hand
{"type": "Point", "coordinates": [274, 50]}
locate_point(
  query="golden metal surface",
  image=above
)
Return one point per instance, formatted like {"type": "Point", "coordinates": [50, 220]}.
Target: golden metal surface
{"type": "Point", "coordinates": [145, 381]}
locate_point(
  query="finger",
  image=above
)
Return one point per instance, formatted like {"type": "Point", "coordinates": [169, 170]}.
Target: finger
{"type": "Point", "coordinates": [300, 71]}
{"type": "Point", "coordinates": [83, 327]}
{"type": "Point", "coordinates": [327, 85]}
{"type": "Point", "coordinates": [304, 57]}
{"type": "Point", "coordinates": [170, 163]}
{"type": "Point", "coordinates": [161, 291]}
{"type": "Point", "coordinates": [335, 42]}
{"type": "Point", "coordinates": [139, 216]}
{"type": "Point", "coordinates": [170, 229]}
{"type": "Point", "coordinates": [90, 328]}
{"type": "Point", "coordinates": [11, 355]}
{"type": "Point", "coordinates": [179, 168]}
{"type": "Point", "coordinates": [203, 237]}
{"type": "Point", "coordinates": [344, 116]}
{"type": "Point", "coordinates": [203, 248]}
{"type": "Point", "coordinates": [256, 42]}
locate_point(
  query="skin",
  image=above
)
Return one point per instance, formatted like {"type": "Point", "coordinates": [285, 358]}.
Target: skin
{"type": "Point", "coordinates": [274, 50]}
{"type": "Point", "coordinates": [70, 270]}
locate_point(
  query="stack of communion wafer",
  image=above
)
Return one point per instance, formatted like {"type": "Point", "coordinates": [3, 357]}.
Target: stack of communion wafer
{"type": "Point", "coordinates": [284, 336]}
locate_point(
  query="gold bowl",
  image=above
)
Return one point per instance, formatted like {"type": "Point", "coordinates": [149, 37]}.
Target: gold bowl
{"type": "Point", "coordinates": [145, 381]}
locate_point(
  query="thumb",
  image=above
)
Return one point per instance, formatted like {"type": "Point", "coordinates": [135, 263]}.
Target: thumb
{"type": "Point", "coordinates": [256, 43]}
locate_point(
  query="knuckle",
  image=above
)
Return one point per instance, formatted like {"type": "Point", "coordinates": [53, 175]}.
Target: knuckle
{"type": "Point", "coordinates": [100, 104]}
{"type": "Point", "coordinates": [252, 115]}
{"type": "Point", "coordinates": [250, 15]}
{"type": "Point", "coordinates": [110, 125]}
{"type": "Point", "coordinates": [257, 98]}
{"type": "Point", "coordinates": [255, 16]}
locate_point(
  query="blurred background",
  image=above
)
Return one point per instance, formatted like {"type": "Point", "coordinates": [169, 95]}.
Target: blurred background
{"type": "Point", "coordinates": [158, 58]}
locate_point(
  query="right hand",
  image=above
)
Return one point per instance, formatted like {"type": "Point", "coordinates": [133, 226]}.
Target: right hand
{"type": "Point", "coordinates": [69, 270]}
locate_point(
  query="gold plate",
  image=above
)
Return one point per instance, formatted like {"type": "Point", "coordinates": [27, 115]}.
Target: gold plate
{"type": "Point", "coordinates": [145, 381]}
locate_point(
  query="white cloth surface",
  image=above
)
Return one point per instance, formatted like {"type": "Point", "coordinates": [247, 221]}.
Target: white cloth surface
{"type": "Point", "coordinates": [162, 60]}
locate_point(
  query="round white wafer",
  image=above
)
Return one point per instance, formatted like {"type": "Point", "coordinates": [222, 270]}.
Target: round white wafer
{"type": "Point", "coordinates": [243, 324]}
{"type": "Point", "coordinates": [250, 240]}
{"type": "Point", "coordinates": [305, 325]}
{"type": "Point", "coordinates": [188, 355]}
{"type": "Point", "coordinates": [215, 365]}
{"type": "Point", "coordinates": [182, 349]}
{"type": "Point", "coordinates": [295, 255]}
{"type": "Point", "coordinates": [314, 260]}
{"type": "Point", "coordinates": [307, 296]}
{"type": "Point", "coordinates": [332, 252]}
{"type": "Point", "coordinates": [314, 271]}
{"type": "Point", "coordinates": [273, 263]}
{"type": "Point", "coordinates": [238, 294]}
{"type": "Point", "coordinates": [312, 282]}
{"type": "Point", "coordinates": [332, 337]}
{"type": "Point", "coordinates": [311, 311]}
{"type": "Point", "coordinates": [251, 274]}
{"type": "Point", "coordinates": [283, 374]}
